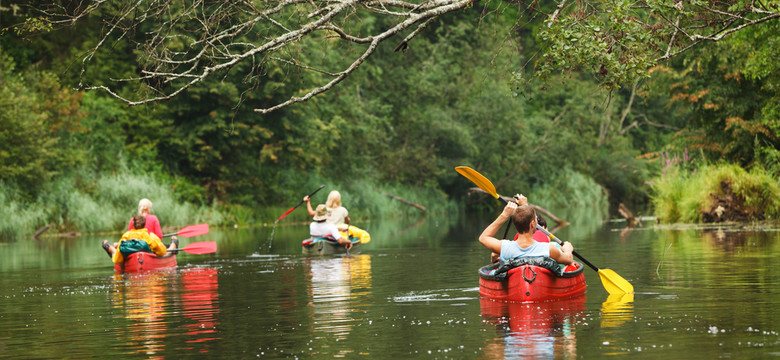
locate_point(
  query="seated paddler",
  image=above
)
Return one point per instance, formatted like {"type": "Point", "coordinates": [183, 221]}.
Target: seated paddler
{"type": "Point", "coordinates": [524, 219]}
{"type": "Point", "coordinates": [137, 239]}
{"type": "Point", "coordinates": [319, 228]}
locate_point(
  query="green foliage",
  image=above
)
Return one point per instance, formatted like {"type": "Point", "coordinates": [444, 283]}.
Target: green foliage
{"type": "Point", "coordinates": [570, 189]}
{"type": "Point", "coordinates": [38, 118]}
{"type": "Point", "coordinates": [681, 196]}
{"type": "Point", "coordinates": [614, 45]}
{"type": "Point", "coordinates": [398, 125]}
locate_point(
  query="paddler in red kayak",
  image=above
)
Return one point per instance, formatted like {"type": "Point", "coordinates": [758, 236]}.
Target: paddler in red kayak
{"type": "Point", "coordinates": [137, 239]}
{"type": "Point", "coordinates": [524, 219]}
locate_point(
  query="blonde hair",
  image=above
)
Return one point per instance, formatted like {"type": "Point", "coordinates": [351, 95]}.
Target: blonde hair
{"type": "Point", "coordinates": [334, 199]}
{"type": "Point", "coordinates": [144, 204]}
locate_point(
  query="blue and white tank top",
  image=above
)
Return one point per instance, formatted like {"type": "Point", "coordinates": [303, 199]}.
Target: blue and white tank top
{"type": "Point", "coordinates": [511, 250]}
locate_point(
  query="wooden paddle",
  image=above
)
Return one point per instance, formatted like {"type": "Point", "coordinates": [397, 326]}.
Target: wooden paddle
{"type": "Point", "coordinates": [198, 248]}
{"type": "Point", "coordinates": [613, 283]}
{"type": "Point", "coordinates": [190, 231]}
{"type": "Point", "coordinates": [299, 204]}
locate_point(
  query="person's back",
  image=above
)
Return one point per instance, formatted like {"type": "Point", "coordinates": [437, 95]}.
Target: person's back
{"type": "Point", "coordinates": [138, 239]}
{"type": "Point", "coordinates": [524, 219]}
{"type": "Point", "coordinates": [337, 214]}
{"type": "Point", "coordinates": [319, 228]}
{"type": "Point", "coordinates": [511, 249]}
{"type": "Point", "coordinates": [152, 223]}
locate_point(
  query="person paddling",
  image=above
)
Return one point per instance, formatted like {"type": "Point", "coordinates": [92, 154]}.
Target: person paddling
{"type": "Point", "coordinates": [524, 219]}
{"type": "Point", "coordinates": [152, 223]}
{"type": "Point", "coordinates": [137, 239]}
{"type": "Point", "coordinates": [319, 228]}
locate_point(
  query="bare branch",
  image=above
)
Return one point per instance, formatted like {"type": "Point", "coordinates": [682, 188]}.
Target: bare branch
{"type": "Point", "coordinates": [555, 13]}
{"type": "Point", "coordinates": [183, 44]}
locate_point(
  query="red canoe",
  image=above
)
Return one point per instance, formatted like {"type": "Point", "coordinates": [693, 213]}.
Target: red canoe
{"type": "Point", "coordinates": [143, 261]}
{"type": "Point", "coordinates": [531, 280]}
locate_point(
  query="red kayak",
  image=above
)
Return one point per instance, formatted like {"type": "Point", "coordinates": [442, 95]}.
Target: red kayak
{"type": "Point", "coordinates": [143, 261]}
{"type": "Point", "coordinates": [532, 279]}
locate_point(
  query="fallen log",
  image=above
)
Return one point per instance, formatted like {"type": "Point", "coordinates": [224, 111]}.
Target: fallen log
{"type": "Point", "coordinates": [627, 214]}
{"type": "Point", "coordinates": [407, 202]}
{"type": "Point", "coordinates": [41, 231]}
{"type": "Point", "coordinates": [538, 208]}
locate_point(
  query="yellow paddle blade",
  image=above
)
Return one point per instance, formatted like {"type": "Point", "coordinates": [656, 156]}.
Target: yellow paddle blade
{"type": "Point", "coordinates": [614, 284]}
{"type": "Point", "coordinates": [478, 179]}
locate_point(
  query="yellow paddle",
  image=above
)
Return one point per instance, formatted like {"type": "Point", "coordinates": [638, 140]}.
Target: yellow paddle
{"type": "Point", "coordinates": [613, 283]}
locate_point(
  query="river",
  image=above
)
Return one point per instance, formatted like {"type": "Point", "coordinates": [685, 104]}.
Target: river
{"type": "Point", "coordinates": [412, 292]}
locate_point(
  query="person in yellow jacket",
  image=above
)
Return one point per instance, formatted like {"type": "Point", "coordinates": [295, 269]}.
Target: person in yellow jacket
{"type": "Point", "coordinates": [138, 239]}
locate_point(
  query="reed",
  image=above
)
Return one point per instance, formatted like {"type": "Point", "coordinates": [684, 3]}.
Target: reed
{"type": "Point", "coordinates": [18, 215]}
{"type": "Point", "coordinates": [102, 204]}
{"type": "Point", "coordinates": [570, 189]}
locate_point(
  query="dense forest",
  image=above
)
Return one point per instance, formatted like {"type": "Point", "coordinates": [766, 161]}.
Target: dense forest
{"type": "Point", "coordinates": [487, 86]}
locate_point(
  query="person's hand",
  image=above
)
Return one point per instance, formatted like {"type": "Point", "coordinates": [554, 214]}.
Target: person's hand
{"type": "Point", "coordinates": [306, 198]}
{"type": "Point", "coordinates": [521, 200]}
{"type": "Point", "coordinates": [509, 209]}
{"type": "Point", "coordinates": [567, 247]}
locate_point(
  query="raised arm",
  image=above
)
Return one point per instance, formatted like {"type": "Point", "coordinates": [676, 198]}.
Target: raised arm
{"type": "Point", "coordinates": [308, 205]}
{"type": "Point", "coordinates": [488, 235]}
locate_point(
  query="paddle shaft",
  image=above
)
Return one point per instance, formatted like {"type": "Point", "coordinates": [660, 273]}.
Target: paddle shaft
{"type": "Point", "coordinates": [299, 204]}
{"type": "Point", "coordinates": [192, 230]}
{"type": "Point", "coordinates": [198, 248]}
{"type": "Point", "coordinates": [561, 242]}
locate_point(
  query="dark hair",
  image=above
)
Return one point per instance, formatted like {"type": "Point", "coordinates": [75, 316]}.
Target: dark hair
{"type": "Point", "coordinates": [540, 220]}
{"type": "Point", "coordinates": [522, 218]}
{"type": "Point", "coordinates": [139, 221]}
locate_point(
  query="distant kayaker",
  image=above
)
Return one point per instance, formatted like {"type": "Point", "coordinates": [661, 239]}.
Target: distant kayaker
{"type": "Point", "coordinates": [320, 228]}
{"type": "Point", "coordinates": [337, 214]}
{"type": "Point", "coordinates": [152, 223]}
{"type": "Point", "coordinates": [524, 219]}
{"type": "Point", "coordinates": [137, 239]}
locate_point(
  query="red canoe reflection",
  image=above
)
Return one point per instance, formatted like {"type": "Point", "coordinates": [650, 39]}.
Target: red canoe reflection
{"type": "Point", "coordinates": [533, 330]}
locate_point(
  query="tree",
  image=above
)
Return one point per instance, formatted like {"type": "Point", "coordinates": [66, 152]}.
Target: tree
{"type": "Point", "coordinates": [37, 121]}
{"type": "Point", "coordinates": [181, 44]}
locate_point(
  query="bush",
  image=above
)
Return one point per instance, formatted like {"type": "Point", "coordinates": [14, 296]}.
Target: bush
{"type": "Point", "coordinates": [688, 196]}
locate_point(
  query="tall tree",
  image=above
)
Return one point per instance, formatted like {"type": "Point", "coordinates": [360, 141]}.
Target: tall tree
{"type": "Point", "coordinates": [181, 44]}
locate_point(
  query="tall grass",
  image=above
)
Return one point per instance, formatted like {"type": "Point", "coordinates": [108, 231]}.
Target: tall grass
{"type": "Point", "coordinates": [103, 204]}
{"type": "Point", "coordinates": [17, 215]}
{"type": "Point", "coordinates": [363, 199]}
{"type": "Point", "coordinates": [681, 196]}
{"type": "Point", "coordinates": [570, 189]}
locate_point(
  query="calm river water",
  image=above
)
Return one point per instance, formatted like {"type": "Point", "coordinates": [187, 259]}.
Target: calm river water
{"type": "Point", "coordinates": [410, 293]}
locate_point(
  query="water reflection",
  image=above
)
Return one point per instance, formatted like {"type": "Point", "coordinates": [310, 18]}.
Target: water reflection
{"type": "Point", "coordinates": [199, 304]}
{"type": "Point", "coordinates": [543, 330]}
{"type": "Point", "coordinates": [156, 302]}
{"type": "Point", "coordinates": [338, 287]}
{"type": "Point", "coordinates": [617, 310]}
